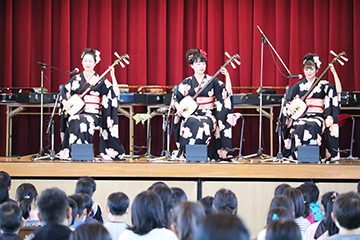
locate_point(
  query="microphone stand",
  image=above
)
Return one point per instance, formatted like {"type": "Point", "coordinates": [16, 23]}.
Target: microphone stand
{"type": "Point", "coordinates": [41, 150]}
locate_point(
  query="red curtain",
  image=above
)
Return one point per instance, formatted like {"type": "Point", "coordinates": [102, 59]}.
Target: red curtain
{"type": "Point", "coordinates": [157, 33]}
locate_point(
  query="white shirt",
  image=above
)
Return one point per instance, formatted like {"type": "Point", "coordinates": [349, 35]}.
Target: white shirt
{"type": "Point", "coordinates": [115, 229]}
{"type": "Point", "coordinates": [155, 234]}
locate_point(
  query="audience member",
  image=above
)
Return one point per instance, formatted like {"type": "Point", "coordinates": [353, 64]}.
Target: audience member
{"type": "Point", "coordinates": [281, 188]}
{"type": "Point", "coordinates": [306, 194]}
{"type": "Point", "coordinates": [284, 230]}
{"type": "Point", "coordinates": [4, 193]}
{"type": "Point", "coordinates": [26, 196]}
{"type": "Point", "coordinates": [314, 206]}
{"type": "Point", "coordinates": [326, 227]}
{"type": "Point", "coordinates": [147, 216]}
{"type": "Point", "coordinates": [299, 206]}
{"type": "Point", "coordinates": [55, 212]}
{"type": "Point", "coordinates": [84, 210]}
{"type": "Point", "coordinates": [10, 221]}
{"type": "Point", "coordinates": [346, 215]}
{"type": "Point", "coordinates": [221, 226]}
{"type": "Point", "coordinates": [82, 186]}
{"type": "Point", "coordinates": [164, 193]}
{"type": "Point", "coordinates": [207, 203]}
{"type": "Point", "coordinates": [276, 214]}
{"type": "Point", "coordinates": [90, 231]}
{"type": "Point", "coordinates": [74, 211]}
{"type": "Point", "coordinates": [282, 201]}
{"type": "Point", "coordinates": [186, 217]}
{"type": "Point", "coordinates": [178, 195]}
{"type": "Point", "coordinates": [117, 208]}
{"type": "Point", "coordinates": [6, 179]}
{"type": "Point", "coordinates": [225, 201]}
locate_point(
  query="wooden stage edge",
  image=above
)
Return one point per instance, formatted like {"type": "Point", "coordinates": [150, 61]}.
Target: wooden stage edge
{"type": "Point", "coordinates": [24, 167]}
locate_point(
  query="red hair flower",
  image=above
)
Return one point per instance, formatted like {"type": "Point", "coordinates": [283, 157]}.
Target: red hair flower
{"type": "Point", "coordinates": [202, 52]}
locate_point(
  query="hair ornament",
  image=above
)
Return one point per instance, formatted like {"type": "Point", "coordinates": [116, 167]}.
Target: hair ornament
{"type": "Point", "coordinates": [317, 61]}
{"type": "Point", "coordinates": [333, 196]}
{"type": "Point", "coordinates": [190, 57]}
{"type": "Point", "coordinates": [97, 54]}
{"type": "Point", "coordinates": [26, 197]}
{"type": "Point", "coordinates": [202, 52]}
{"type": "Point", "coordinates": [275, 217]}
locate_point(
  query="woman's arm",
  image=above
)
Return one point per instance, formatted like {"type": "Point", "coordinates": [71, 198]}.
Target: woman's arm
{"type": "Point", "coordinates": [114, 82]}
{"type": "Point", "coordinates": [338, 86]}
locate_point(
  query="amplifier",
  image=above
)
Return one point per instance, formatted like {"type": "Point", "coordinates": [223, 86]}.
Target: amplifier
{"type": "Point", "coordinates": [33, 97]}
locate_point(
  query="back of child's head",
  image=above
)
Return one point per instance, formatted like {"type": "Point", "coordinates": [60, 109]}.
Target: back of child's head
{"type": "Point", "coordinates": [178, 195]}
{"type": "Point", "coordinates": [164, 192]}
{"type": "Point", "coordinates": [26, 194]}
{"type": "Point", "coordinates": [307, 199]}
{"type": "Point", "coordinates": [185, 217]}
{"type": "Point", "coordinates": [4, 193]}
{"type": "Point", "coordinates": [53, 205]}
{"type": "Point", "coordinates": [84, 186]}
{"type": "Point", "coordinates": [280, 189]}
{"type": "Point", "coordinates": [282, 201]}
{"type": "Point", "coordinates": [156, 184]}
{"type": "Point", "coordinates": [347, 210]}
{"type": "Point", "coordinates": [283, 229]}
{"type": "Point", "coordinates": [6, 179]}
{"type": "Point", "coordinates": [312, 190]}
{"type": "Point", "coordinates": [298, 200]}
{"type": "Point", "coordinates": [358, 187]}
{"type": "Point", "coordinates": [90, 231]}
{"type": "Point", "coordinates": [221, 226]}
{"type": "Point", "coordinates": [207, 203]}
{"type": "Point", "coordinates": [225, 200]}
{"type": "Point", "coordinates": [74, 210]}
{"type": "Point", "coordinates": [10, 217]}
{"type": "Point", "coordinates": [276, 214]}
{"type": "Point", "coordinates": [83, 202]}
{"type": "Point", "coordinates": [327, 224]}
{"type": "Point", "coordinates": [118, 203]}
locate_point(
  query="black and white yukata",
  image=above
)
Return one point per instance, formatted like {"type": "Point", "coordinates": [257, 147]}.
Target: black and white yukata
{"type": "Point", "coordinates": [212, 121]}
{"type": "Point", "coordinates": [100, 112]}
{"type": "Point", "coordinates": [320, 119]}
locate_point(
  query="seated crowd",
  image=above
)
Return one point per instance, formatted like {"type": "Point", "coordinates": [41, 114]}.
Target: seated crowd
{"type": "Point", "coordinates": [164, 213]}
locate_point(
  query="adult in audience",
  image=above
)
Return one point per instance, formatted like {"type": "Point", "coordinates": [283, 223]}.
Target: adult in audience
{"type": "Point", "coordinates": [346, 215]}
{"type": "Point", "coordinates": [326, 227]}
{"type": "Point", "coordinates": [117, 208]}
{"type": "Point", "coordinates": [55, 212]}
{"type": "Point", "coordinates": [10, 221]}
{"type": "Point", "coordinates": [147, 216]}
{"type": "Point", "coordinates": [225, 201]}
{"type": "Point", "coordinates": [186, 216]}
{"type": "Point", "coordinates": [221, 226]}
{"type": "Point", "coordinates": [90, 231]}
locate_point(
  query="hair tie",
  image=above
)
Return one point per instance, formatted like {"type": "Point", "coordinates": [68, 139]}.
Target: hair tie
{"type": "Point", "coordinates": [26, 197]}
{"type": "Point", "coordinates": [275, 217]}
{"type": "Point", "coordinates": [333, 196]}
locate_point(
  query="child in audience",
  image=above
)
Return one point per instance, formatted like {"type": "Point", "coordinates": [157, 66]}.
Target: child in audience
{"type": "Point", "coordinates": [346, 215]}
{"type": "Point", "coordinates": [284, 202]}
{"type": "Point", "coordinates": [178, 195]}
{"type": "Point", "coordinates": [221, 226]}
{"type": "Point", "coordinates": [87, 185]}
{"type": "Point", "coordinates": [307, 213]}
{"type": "Point", "coordinates": [10, 221]}
{"type": "Point", "coordinates": [314, 205]}
{"type": "Point", "coordinates": [90, 231]}
{"type": "Point", "coordinates": [55, 212]}
{"type": "Point", "coordinates": [26, 196]}
{"type": "Point", "coordinates": [299, 206]}
{"type": "Point", "coordinates": [186, 217]}
{"type": "Point", "coordinates": [207, 203]}
{"type": "Point", "coordinates": [5, 185]}
{"type": "Point", "coordinates": [276, 214]}
{"type": "Point", "coordinates": [225, 201]}
{"type": "Point", "coordinates": [117, 208]}
{"type": "Point", "coordinates": [147, 216]}
{"type": "Point", "coordinates": [283, 230]}
{"type": "Point", "coordinates": [326, 227]}
{"type": "Point", "coordinates": [74, 210]}
{"type": "Point", "coordinates": [164, 193]}
{"type": "Point", "coordinates": [84, 204]}
{"type": "Point", "coordinates": [280, 189]}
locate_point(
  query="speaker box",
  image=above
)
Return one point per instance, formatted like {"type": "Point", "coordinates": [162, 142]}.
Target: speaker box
{"type": "Point", "coordinates": [82, 152]}
{"type": "Point", "coordinates": [196, 153]}
{"type": "Point", "coordinates": [309, 154]}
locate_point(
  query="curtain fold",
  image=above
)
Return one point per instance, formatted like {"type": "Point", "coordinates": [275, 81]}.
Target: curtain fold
{"type": "Point", "coordinates": [157, 33]}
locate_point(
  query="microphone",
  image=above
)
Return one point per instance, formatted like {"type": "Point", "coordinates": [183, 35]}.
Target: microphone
{"type": "Point", "coordinates": [76, 70]}
{"type": "Point", "coordinates": [162, 110]}
{"type": "Point", "coordinates": [295, 76]}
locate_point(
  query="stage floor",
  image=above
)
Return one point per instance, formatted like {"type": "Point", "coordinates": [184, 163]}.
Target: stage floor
{"type": "Point", "coordinates": [145, 168]}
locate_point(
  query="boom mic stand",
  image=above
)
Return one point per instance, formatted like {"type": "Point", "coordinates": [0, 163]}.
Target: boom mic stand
{"type": "Point", "coordinates": [41, 150]}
